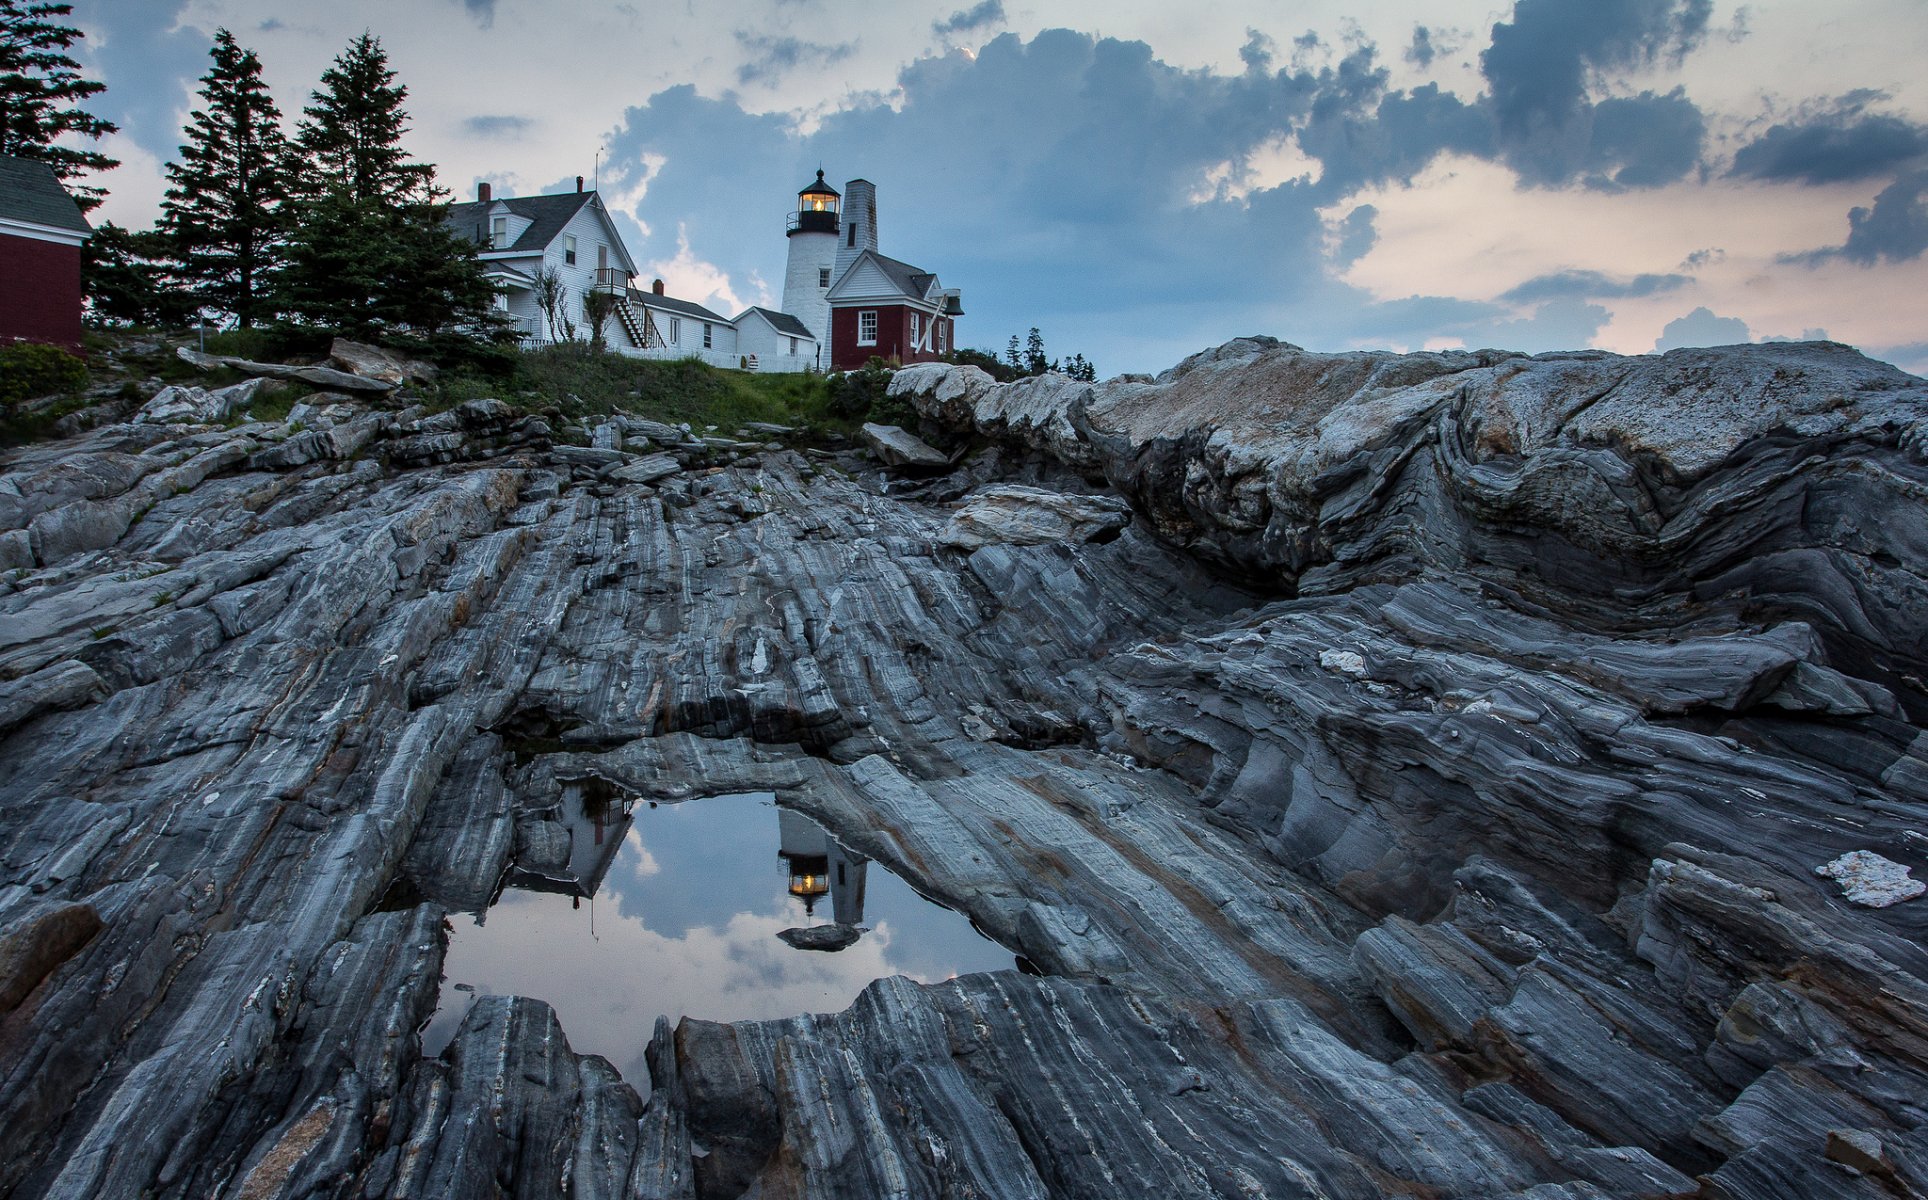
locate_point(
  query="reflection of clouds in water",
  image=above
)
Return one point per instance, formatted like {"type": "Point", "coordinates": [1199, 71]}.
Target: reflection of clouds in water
{"type": "Point", "coordinates": [608, 989]}
{"type": "Point", "coordinates": [642, 864]}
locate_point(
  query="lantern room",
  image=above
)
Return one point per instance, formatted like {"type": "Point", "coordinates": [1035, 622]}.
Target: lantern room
{"type": "Point", "coordinates": [816, 208]}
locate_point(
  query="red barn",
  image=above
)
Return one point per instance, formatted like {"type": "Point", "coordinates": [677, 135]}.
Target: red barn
{"type": "Point", "coordinates": [41, 231]}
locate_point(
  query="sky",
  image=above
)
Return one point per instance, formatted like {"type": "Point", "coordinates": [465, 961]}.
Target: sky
{"type": "Point", "coordinates": [1141, 180]}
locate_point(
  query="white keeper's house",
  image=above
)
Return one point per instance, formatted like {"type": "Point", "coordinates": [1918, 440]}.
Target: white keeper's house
{"type": "Point", "coordinates": [836, 284]}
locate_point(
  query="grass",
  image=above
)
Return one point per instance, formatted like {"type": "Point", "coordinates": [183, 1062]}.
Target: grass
{"type": "Point", "coordinates": [578, 381]}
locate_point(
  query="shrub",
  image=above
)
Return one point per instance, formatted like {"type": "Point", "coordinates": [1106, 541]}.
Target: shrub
{"type": "Point", "coordinates": [861, 395]}
{"type": "Point", "coordinates": [29, 369]}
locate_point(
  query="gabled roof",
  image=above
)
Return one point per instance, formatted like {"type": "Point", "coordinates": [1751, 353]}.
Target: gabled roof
{"type": "Point", "coordinates": [680, 307]}
{"type": "Point", "coordinates": [782, 322]}
{"type": "Point", "coordinates": [547, 216]}
{"type": "Point", "coordinates": [30, 193]}
{"type": "Point", "coordinates": [914, 283]}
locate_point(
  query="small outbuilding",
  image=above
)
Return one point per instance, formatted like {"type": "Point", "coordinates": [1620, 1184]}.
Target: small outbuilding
{"type": "Point", "coordinates": [41, 234]}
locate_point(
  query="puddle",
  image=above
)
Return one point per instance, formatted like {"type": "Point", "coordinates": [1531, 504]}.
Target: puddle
{"type": "Point", "coordinates": [678, 910]}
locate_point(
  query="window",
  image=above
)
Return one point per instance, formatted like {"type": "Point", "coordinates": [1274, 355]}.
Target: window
{"type": "Point", "coordinates": [823, 276]}
{"type": "Point", "coordinates": [916, 327]}
{"type": "Point", "coordinates": [853, 234]}
{"type": "Point", "coordinates": [602, 258]}
{"type": "Point", "coordinates": [793, 346]}
{"type": "Point", "coordinates": [499, 233]}
{"type": "Point", "coordinates": [867, 327]}
{"type": "Point", "coordinates": [569, 248]}
{"type": "Point", "coordinates": [942, 330]}
{"type": "Point", "coordinates": [675, 331]}
{"type": "Point", "coordinates": [706, 335]}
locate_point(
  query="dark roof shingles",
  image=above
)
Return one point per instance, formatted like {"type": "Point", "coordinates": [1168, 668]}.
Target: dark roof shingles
{"type": "Point", "coordinates": [30, 192]}
{"type": "Point", "coordinates": [547, 214]}
{"type": "Point", "coordinates": [783, 322]}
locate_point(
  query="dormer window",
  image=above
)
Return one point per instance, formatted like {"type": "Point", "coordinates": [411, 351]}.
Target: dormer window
{"type": "Point", "coordinates": [499, 233]}
{"type": "Point", "coordinates": [569, 248]}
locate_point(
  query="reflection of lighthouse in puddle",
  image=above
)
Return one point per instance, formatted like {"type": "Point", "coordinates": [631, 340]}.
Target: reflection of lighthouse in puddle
{"type": "Point", "coordinates": [818, 865]}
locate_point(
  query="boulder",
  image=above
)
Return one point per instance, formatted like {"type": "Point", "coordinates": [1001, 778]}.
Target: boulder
{"type": "Point", "coordinates": [187, 405]}
{"type": "Point", "coordinates": [821, 937]}
{"type": "Point", "coordinates": [376, 363]}
{"type": "Point", "coordinates": [1014, 514]}
{"type": "Point", "coordinates": [899, 448]}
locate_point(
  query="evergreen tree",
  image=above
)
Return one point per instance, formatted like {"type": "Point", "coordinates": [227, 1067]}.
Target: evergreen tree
{"type": "Point", "coordinates": [223, 215]}
{"type": "Point", "coordinates": [122, 274]}
{"type": "Point", "coordinates": [369, 250]}
{"type": "Point", "coordinates": [40, 93]}
{"type": "Point", "coordinates": [1011, 354]}
{"type": "Point", "coordinates": [1034, 360]}
{"type": "Point", "coordinates": [349, 139]}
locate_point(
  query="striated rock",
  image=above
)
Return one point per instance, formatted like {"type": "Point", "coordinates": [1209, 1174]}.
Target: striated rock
{"type": "Point", "coordinates": [376, 363]}
{"type": "Point", "coordinates": [1028, 516]}
{"type": "Point", "coordinates": [1420, 794]}
{"type": "Point", "coordinates": [196, 406]}
{"type": "Point", "coordinates": [898, 448]}
{"type": "Point", "coordinates": [821, 937]}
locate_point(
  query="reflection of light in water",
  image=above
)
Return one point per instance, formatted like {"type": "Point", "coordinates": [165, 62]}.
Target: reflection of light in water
{"type": "Point", "coordinates": [686, 923]}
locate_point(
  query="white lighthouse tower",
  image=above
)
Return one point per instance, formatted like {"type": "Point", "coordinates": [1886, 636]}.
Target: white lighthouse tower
{"type": "Point", "coordinates": [813, 230]}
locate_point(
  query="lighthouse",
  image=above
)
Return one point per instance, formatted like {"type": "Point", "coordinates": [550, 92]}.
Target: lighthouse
{"type": "Point", "coordinates": [813, 230]}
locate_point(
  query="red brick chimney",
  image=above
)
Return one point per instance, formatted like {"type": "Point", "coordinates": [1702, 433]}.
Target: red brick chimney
{"type": "Point", "coordinates": [657, 287]}
{"type": "Point", "coordinates": [579, 183]}
{"type": "Point", "coordinates": [482, 192]}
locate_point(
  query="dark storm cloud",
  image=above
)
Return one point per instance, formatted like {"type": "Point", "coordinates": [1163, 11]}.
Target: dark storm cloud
{"type": "Point", "coordinates": [1896, 228]}
{"type": "Point", "coordinates": [1357, 236]}
{"type": "Point", "coordinates": [1421, 53]}
{"type": "Point", "coordinates": [1841, 146]}
{"type": "Point", "coordinates": [1592, 285]}
{"type": "Point", "coordinates": [772, 57]}
{"type": "Point", "coordinates": [964, 20]}
{"type": "Point", "coordinates": [1540, 68]}
{"type": "Point", "coordinates": [504, 127]}
{"type": "Point", "coordinates": [1701, 328]}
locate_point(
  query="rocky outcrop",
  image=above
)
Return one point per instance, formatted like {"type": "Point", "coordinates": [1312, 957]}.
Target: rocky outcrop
{"type": "Point", "coordinates": [1455, 834]}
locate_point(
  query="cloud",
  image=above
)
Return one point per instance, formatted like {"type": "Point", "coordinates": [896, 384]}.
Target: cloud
{"type": "Point", "coordinates": [1844, 145]}
{"type": "Point", "coordinates": [1895, 229]}
{"type": "Point", "coordinates": [1541, 69]}
{"type": "Point", "coordinates": [152, 65]}
{"type": "Point", "coordinates": [504, 127]}
{"type": "Point", "coordinates": [772, 57]}
{"type": "Point", "coordinates": [1422, 52]}
{"type": "Point", "coordinates": [1701, 328]}
{"type": "Point", "coordinates": [1592, 285]}
{"type": "Point", "coordinates": [482, 10]}
{"type": "Point", "coordinates": [964, 20]}
{"type": "Point", "coordinates": [1354, 237]}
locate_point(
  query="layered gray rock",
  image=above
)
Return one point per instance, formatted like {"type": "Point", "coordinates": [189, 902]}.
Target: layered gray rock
{"type": "Point", "coordinates": [1423, 794]}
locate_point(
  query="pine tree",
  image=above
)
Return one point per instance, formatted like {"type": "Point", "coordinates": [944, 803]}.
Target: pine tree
{"type": "Point", "coordinates": [223, 215]}
{"type": "Point", "coordinates": [369, 251]}
{"type": "Point", "coordinates": [1012, 355]}
{"type": "Point", "coordinates": [349, 139]}
{"type": "Point", "coordinates": [122, 273]}
{"type": "Point", "coordinates": [1034, 360]}
{"type": "Point", "coordinates": [40, 93]}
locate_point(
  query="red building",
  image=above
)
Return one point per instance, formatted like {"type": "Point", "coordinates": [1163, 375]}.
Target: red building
{"type": "Point", "coordinates": [888, 309]}
{"type": "Point", "coordinates": [877, 307]}
{"type": "Point", "coordinates": [41, 231]}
